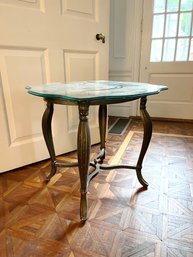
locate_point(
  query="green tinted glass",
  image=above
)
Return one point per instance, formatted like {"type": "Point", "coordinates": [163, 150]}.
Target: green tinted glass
{"type": "Point", "coordinates": [95, 90]}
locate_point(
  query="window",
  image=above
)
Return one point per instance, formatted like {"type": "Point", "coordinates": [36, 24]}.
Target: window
{"type": "Point", "coordinates": [172, 32]}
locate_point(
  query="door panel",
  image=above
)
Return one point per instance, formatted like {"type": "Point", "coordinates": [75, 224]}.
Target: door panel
{"type": "Point", "coordinates": [81, 7]}
{"type": "Point", "coordinates": [44, 42]}
{"type": "Point", "coordinates": [166, 56]}
{"type": "Point", "coordinates": [32, 4]}
{"type": "Point", "coordinates": [80, 65]}
{"type": "Point", "coordinates": [17, 63]}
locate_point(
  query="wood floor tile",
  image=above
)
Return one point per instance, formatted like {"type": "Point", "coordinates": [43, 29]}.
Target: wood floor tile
{"type": "Point", "coordinates": [39, 219]}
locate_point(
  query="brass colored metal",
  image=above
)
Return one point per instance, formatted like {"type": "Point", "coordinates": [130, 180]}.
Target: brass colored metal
{"type": "Point", "coordinates": [67, 164]}
{"type": "Point", "coordinates": [147, 125]}
{"type": "Point", "coordinates": [47, 132]}
{"type": "Point", "coordinates": [101, 37]}
{"type": "Point", "coordinates": [83, 156]}
{"type": "Point", "coordinates": [100, 156]}
{"type": "Point", "coordinates": [95, 172]}
{"type": "Point", "coordinates": [117, 166]}
{"type": "Point", "coordinates": [84, 145]}
{"type": "Point", "coordinates": [94, 102]}
{"type": "Point", "coordinates": [103, 127]}
{"type": "Point", "coordinates": [60, 101]}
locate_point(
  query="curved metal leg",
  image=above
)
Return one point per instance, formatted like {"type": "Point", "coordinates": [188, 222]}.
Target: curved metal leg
{"type": "Point", "coordinates": [147, 125]}
{"type": "Point", "coordinates": [103, 127]}
{"type": "Point", "coordinates": [47, 132]}
{"type": "Point", "coordinates": [83, 157]}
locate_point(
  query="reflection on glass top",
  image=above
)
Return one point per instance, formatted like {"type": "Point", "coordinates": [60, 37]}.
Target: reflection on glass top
{"type": "Point", "coordinates": [95, 90]}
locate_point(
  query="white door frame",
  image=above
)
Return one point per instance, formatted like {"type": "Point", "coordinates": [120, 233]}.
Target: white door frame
{"type": "Point", "coordinates": [177, 102]}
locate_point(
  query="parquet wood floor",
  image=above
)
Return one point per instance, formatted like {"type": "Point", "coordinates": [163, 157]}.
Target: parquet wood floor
{"type": "Point", "coordinates": [39, 219]}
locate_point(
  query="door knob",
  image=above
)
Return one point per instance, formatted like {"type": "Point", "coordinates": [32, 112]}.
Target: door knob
{"type": "Point", "coordinates": [100, 37]}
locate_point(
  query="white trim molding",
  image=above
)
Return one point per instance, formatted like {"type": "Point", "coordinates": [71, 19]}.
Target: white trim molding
{"type": "Point", "coordinates": [125, 48]}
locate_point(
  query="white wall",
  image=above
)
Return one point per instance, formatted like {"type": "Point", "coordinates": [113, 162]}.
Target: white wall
{"type": "Point", "coordinates": [125, 39]}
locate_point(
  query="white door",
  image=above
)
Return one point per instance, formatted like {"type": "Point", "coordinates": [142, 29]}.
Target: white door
{"type": "Point", "coordinates": [45, 41]}
{"type": "Point", "coordinates": [167, 56]}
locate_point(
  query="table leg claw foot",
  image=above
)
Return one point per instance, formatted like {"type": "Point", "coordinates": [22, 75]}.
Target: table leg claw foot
{"type": "Point", "coordinates": [52, 173]}
{"type": "Point", "coordinates": [83, 207]}
{"type": "Point", "coordinates": [141, 179]}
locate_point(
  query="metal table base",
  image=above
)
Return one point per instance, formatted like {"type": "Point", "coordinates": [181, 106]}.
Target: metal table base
{"type": "Point", "coordinates": [84, 145]}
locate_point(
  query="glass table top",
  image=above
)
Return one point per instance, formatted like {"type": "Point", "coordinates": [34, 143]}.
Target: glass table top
{"type": "Point", "coordinates": [95, 90]}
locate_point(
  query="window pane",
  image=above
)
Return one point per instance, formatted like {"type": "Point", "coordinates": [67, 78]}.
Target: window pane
{"type": "Point", "coordinates": [171, 31]}
{"type": "Point", "coordinates": [159, 6]}
{"type": "Point", "coordinates": [171, 25]}
{"type": "Point", "coordinates": [172, 5]}
{"type": "Point", "coordinates": [169, 50]}
{"type": "Point", "coordinates": [158, 22]}
{"type": "Point", "coordinates": [191, 51]}
{"type": "Point", "coordinates": [186, 5]}
{"type": "Point", "coordinates": [156, 50]}
{"type": "Point", "coordinates": [185, 24]}
{"type": "Point", "coordinates": [182, 49]}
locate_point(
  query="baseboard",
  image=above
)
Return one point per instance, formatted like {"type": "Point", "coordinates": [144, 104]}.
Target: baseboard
{"type": "Point", "coordinates": [164, 119]}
